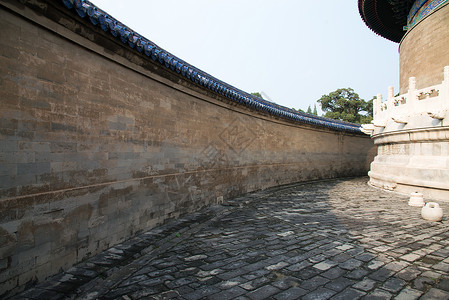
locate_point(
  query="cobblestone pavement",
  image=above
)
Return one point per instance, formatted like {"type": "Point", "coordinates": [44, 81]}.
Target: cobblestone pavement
{"type": "Point", "coordinates": [335, 239]}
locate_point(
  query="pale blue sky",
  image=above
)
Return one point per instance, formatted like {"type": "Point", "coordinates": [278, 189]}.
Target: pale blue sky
{"type": "Point", "coordinates": [293, 50]}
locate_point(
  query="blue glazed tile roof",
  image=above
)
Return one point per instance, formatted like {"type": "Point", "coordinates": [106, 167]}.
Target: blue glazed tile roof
{"type": "Point", "coordinates": [98, 17]}
{"type": "Point", "coordinates": [387, 18]}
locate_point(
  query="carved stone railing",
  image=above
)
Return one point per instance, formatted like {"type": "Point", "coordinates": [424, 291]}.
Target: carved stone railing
{"type": "Point", "coordinates": [432, 100]}
{"type": "Point", "coordinates": [411, 132]}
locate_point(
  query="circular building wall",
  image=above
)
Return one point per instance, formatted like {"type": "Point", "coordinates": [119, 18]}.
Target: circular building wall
{"type": "Point", "coordinates": [424, 49]}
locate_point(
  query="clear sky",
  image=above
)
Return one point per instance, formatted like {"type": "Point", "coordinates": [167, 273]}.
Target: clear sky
{"type": "Point", "coordinates": [294, 51]}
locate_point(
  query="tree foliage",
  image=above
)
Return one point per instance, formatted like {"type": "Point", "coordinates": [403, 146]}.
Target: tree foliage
{"type": "Point", "coordinates": [314, 112]}
{"type": "Point", "coordinates": [346, 105]}
{"type": "Point", "coordinates": [257, 94]}
{"type": "Point", "coordinates": [309, 110]}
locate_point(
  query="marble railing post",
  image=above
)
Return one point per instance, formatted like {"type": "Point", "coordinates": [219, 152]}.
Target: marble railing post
{"type": "Point", "coordinates": [444, 92]}
{"type": "Point", "coordinates": [411, 95]}
{"type": "Point", "coordinates": [391, 104]}
{"type": "Point", "coordinates": [377, 106]}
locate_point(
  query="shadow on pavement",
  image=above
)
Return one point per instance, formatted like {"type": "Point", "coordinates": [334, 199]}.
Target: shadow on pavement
{"type": "Point", "coordinates": [333, 239]}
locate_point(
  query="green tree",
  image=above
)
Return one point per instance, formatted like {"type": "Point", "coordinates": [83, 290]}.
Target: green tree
{"type": "Point", "coordinates": [257, 94]}
{"type": "Point", "coordinates": [315, 112]}
{"type": "Point", "coordinates": [346, 105]}
{"type": "Point", "coordinates": [368, 117]}
{"type": "Point", "coordinates": [309, 110]}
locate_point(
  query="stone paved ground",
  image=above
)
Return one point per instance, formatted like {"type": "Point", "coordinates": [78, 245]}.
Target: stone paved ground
{"type": "Point", "coordinates": [336, 239]}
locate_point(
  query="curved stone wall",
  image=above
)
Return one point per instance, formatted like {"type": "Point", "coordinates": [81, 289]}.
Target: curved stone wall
{"type": "Point", "coordinates": [99, 142]}
{"type": "Point", "coordinates": [413, 161]}
{"type": "Point", "coordinates": [424, 50]}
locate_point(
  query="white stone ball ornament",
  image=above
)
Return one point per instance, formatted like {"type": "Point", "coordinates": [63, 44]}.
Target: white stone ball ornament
{"type": "Point", "coordinates": [416, 199]}
{"type": "Point", "coordinates": [432, 212]}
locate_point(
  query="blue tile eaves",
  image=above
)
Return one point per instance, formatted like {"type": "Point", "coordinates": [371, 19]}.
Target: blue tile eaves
{"type": "Point", "coordinates": [136, 41]}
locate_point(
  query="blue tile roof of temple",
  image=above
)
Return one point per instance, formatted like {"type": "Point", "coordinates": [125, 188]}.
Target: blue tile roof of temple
{"type": "Point", "coordinates": [392, 19]}
{"type": "Point", "coordinates": [98, 17]}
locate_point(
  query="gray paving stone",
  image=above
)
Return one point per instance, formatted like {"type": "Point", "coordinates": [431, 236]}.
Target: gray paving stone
{"type": "Point", "coordinates": [134, 280]}
{"type": "Point", "coordinates": [165, 295]}
{"type": "Point", "coordinates": [411, 257]}
{"type": "Point", "coordinates": [228, 294]}
{"type": "Point", "coordinates": [394, 285]}
{"type": "Point", "coordinates": [443, 284]}
{"type": "Point", "coordinates": [231, 274]}
{"type": "Point", "coordinates": [408, 294]}
{"type": "Point", "coordinates": [145, 292]}
{"type": "Point", "coordinates": [317, 258]}
{"type": "Point", "coordinates": [232, 282]}
{"type": "Point", "coordinates": [381, 274]}
{"type": "Point", "coordinates": [179, 282]}
{"type": "Point", "coordinates": [313, 283]}
{"type": "Point", "coordinates": [350, 264]}
{"type": "Point", "coordinates": [299, 266]}
{"type": "Point", "coordinates": [408, 273]}
{"type": "Point", "coordinates": [442, 267]}
{"type": "Point", "coordinates": [340, 258]}
{"type": "Point", "coordinates": [256, 274]}
{"type": "Point", "coordinates": [422, 283]}
{"type": "Point", "coordinates": [441, 252]}
{"type": "Point", "coordinates": [119, 292]}
{"type": "Point", "coordinates": [365, 285]}
{"type": "Point", "coordinates": [306, 273]}
{"type": "Point", "coordinates": [357, 274]}
{"type": "Point", "coordinates": [375, 264]}
{"type": "Point", "coordinates": [184, 290]}
{"type": "Point", "coordinates": [291, 294]}
{"type": "Point", "coordinates": [202, 293]}
{"type": "Point", "coordinates": [286, 283]}
{"type": "Point", "coordinates": [214, 265]}
{"type": "Point", "coordinates": [256, 283]}
{"type": "Point", "coordinates": [319, 294]}
{"type": "Point", "coordinates": [339, 284]}
{"type": "Point", "coordinates": [365, 257]}
{"type": "Point", "coordinates": [434, 275]}
{"type": "Point", "coordinates": [435, 293]}
{"type": "Point", "coordinates": [41, 294]}
{"type": "Point", "coordinates": [263, 292]}
{"type": "Point", "coordinates": [255, 266]}
{"type": "Point", "coordinates": [396, 266]}
{"type": "Point", "coordinates": [356, 251]}
{"type": "Point", "coordinates": [333, 273]}
{"type": "Point", "coordinates": [378, 294]}
{"type": "Point", "coordinates": [349, 293]}
{"type": "Point", "coordinates": [325, 265]}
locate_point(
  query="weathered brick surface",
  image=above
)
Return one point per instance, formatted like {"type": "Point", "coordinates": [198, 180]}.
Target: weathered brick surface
{"type": "Point", "coordinates": [424, 51]}
{"type": "Point", "coordinates": [95, 148]}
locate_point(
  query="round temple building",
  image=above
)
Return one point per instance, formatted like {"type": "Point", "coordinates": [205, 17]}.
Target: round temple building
{"type": "Point", "coordinates": [411, 129]}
